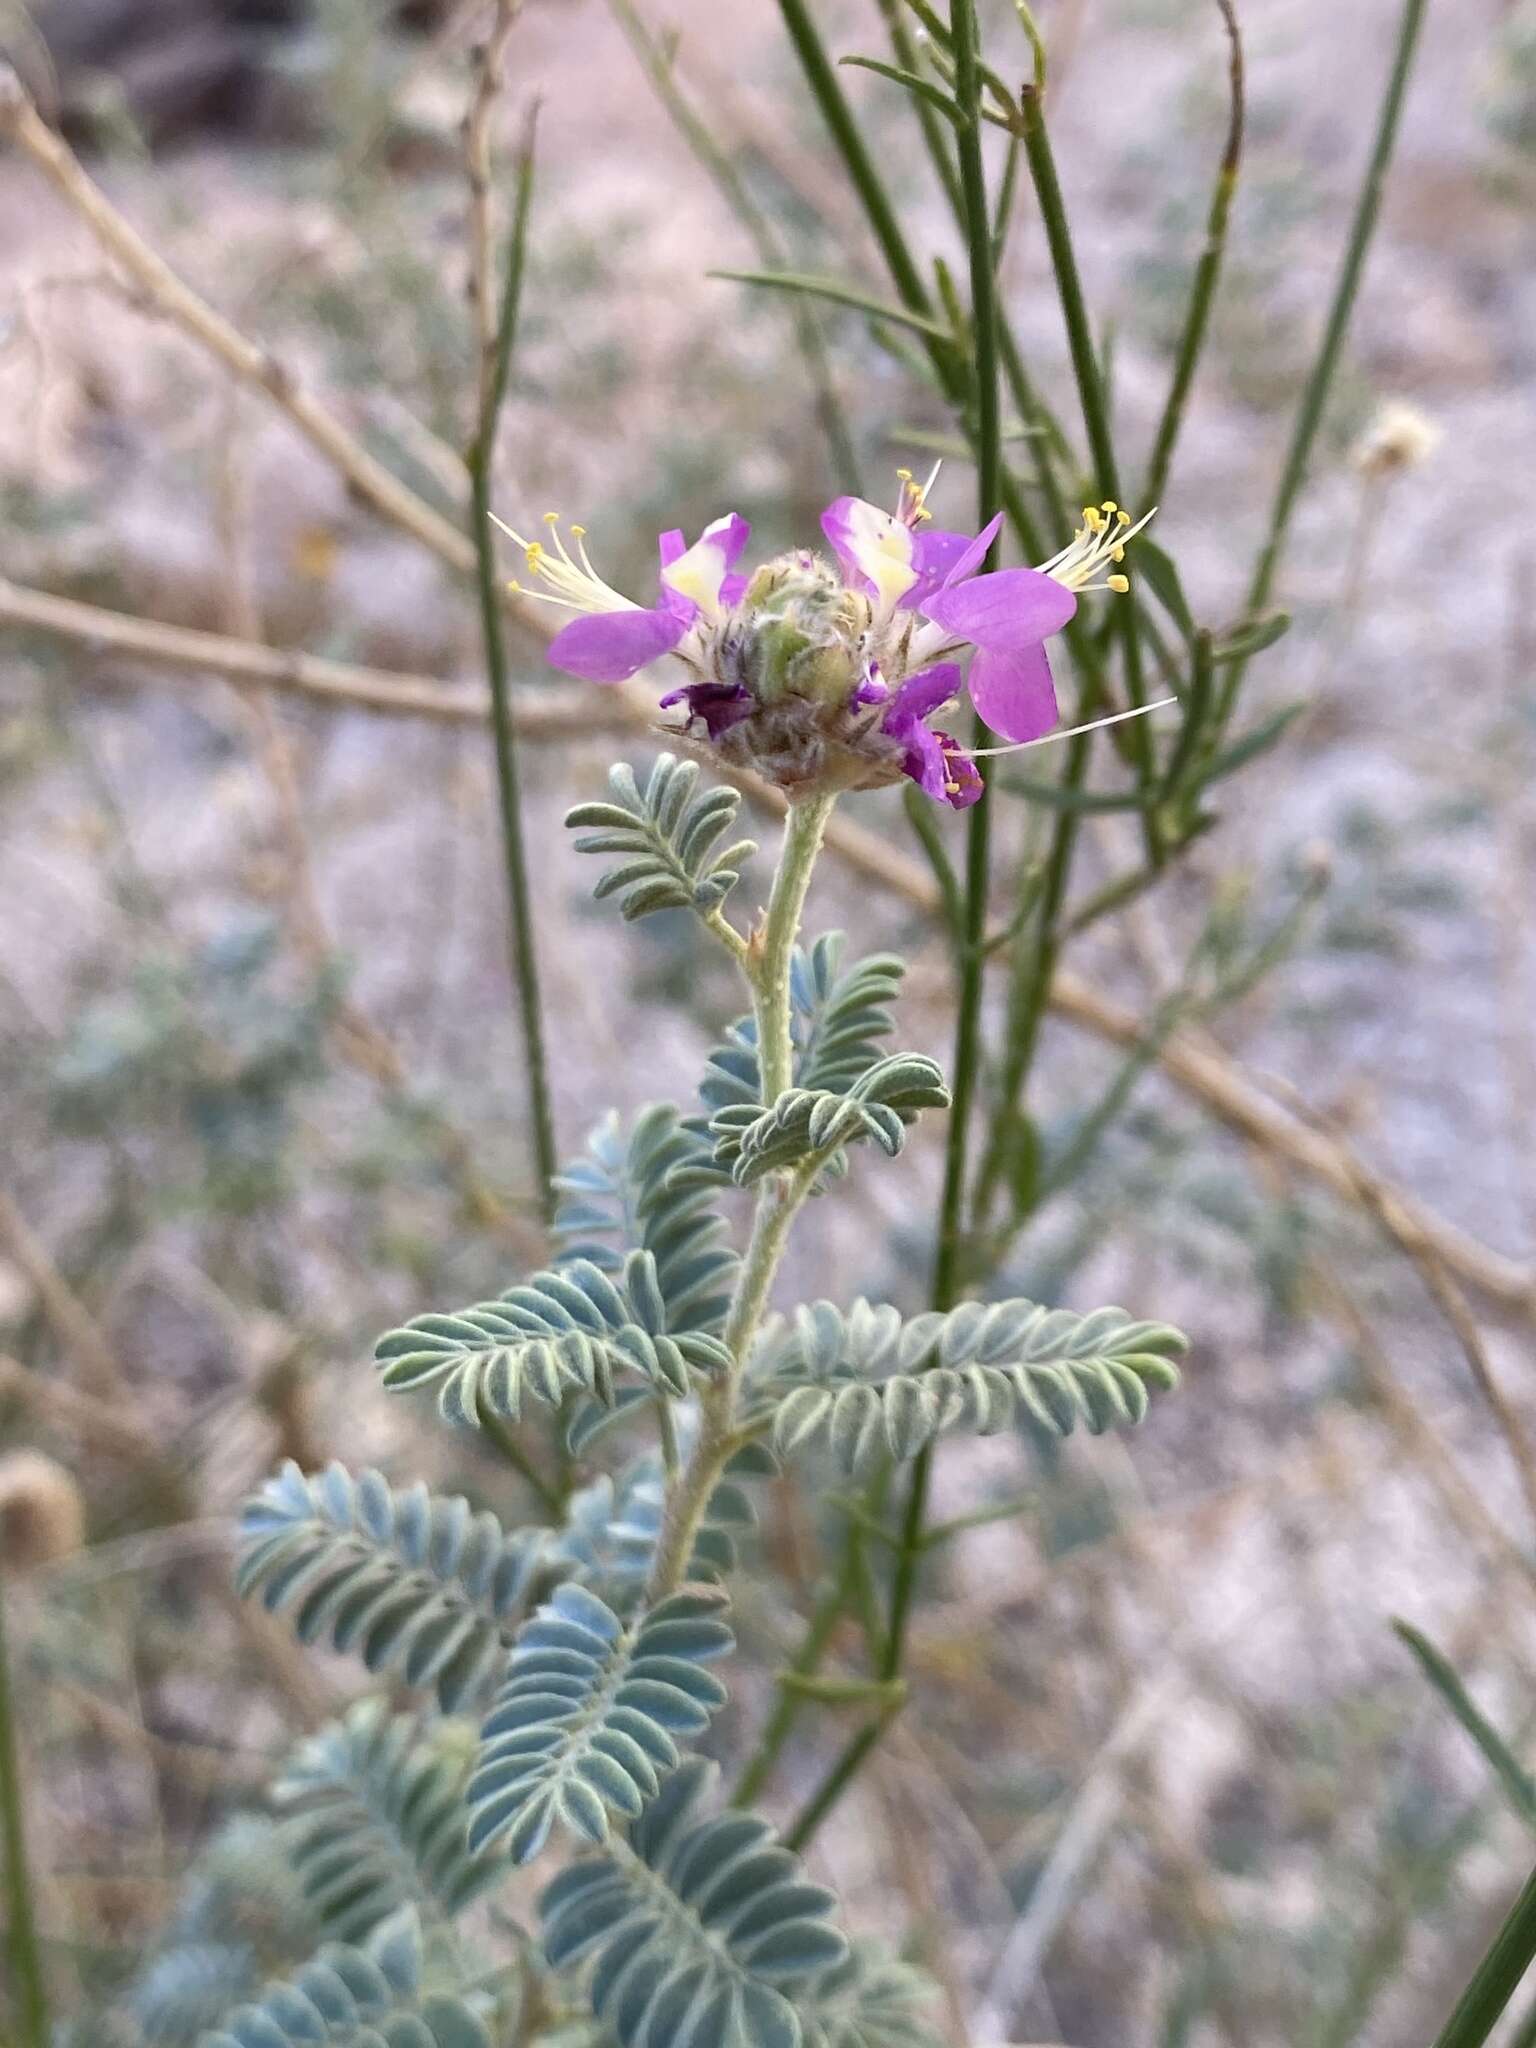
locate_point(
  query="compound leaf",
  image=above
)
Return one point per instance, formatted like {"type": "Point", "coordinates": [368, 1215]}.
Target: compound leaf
{"type": "Point", "coordinates": [584, 1728]}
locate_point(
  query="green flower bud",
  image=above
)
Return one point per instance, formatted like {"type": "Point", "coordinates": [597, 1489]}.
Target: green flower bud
{"type": "Point", "coordinates": [801, 633]}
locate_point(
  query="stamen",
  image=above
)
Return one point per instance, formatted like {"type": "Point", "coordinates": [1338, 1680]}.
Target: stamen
{"type": "Point", "coordinates": [1102, 538]}
{"type": "Point", "coordinates": [1072, 732]}
{"type": "Point", "coordinates": [573, 584]}
{"type": "Point", "coordinates": [912, 497]}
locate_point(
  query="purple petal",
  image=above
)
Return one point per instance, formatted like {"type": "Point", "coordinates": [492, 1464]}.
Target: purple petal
{"type": "Point", "coordinates": [921, 695]}
{"type": "Point", "coordinates": [1013, 691]}
{"type": "Point", "coordinates": [733, 589]}
{"type": "Point", "coordinates": [942, 769]}
{"type": "Point", "coordinates": [731, 535]}
{"type": "Point", "coordinates": [976, 553]}
{"type": "Point", "coordinates": [608, 647]}
{"type": "Point", "coordinates": [693, 579]}
{"type": "Point", "coordinates": [719, 705]}
{"type": "Point", "coordinates": [837, 525]}
{"type": "Point", "coordinates": [924, 761]}
{"type": "Point", "coordinates": [1009, 608]}
{"type": "Point", "coordinates": [934, 555]}
{"type": "Point", "coordinates": [962, 778]}
{"type": "Point", "coordinates": [876, 551]}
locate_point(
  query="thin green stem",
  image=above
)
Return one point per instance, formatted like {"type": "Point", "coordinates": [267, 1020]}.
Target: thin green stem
{"type": "Point", "coordinates": [949, 1258]}
{"type": "Point", "coordinates": [989, 468]}
{"type": "Point", "coordinates": [525, 968]}
{"type": "Point", "coordinates": [838, 115]}
{"type": "Point", "coordinates": [31, 1996]}
{"type": "Point", "coordinates": [1095, 409]}
{"type": "Point", "coordinates": [1207, 271]}
{"type": "Point", "coordinates": [936, 135]}
{"type": "Point", "coordinates": [936, 130]}
{"type": "Point", "coordinates": [806, 1661]}
{"type": "Point", "coordinates": [845, 1768]}
{"type": "Point", "coordinates": [662, 73]}
{"type": "Point", "coordinates": [1496, 1978]}
{"type": "Point", "coordinates": [1314, 397]}
{"type": "Point", "coordinates": [492, 1426]}
{"type": "Point", "coordinates": [1074, 308]}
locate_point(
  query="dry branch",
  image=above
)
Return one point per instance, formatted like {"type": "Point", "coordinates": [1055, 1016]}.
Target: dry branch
{"type": "Point", "coordinates": [341, 684]}
{"type": "Point", "coordinates": [1200, 1070]}
{"type": "Point", "coordinates": [167, 295]}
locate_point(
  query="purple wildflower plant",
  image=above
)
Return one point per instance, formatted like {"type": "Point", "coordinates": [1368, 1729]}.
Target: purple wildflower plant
{"type": "Point", "coordinates": [824, 677]}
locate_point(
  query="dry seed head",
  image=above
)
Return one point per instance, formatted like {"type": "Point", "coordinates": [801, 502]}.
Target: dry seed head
{"type": "Point", "coordinates": [1399, 437]}
{"type": "Point", "coordinates": [42, 1514]}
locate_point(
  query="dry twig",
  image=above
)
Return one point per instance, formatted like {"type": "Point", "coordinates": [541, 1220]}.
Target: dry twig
{"type": "Point", "coordinates": [1195, 1066]}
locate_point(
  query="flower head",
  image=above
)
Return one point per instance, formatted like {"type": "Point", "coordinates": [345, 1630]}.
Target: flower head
{"type": "Point", "coordinates": [829, 675]}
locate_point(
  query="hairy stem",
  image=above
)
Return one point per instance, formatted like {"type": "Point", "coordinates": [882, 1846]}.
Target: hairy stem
{"type": "Point", "coordinates": [773, 945]}
{"type": "Point", "coordinates": [769, 957]}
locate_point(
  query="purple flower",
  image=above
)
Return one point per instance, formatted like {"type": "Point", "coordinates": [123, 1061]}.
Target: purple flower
{"type": "Point", "coordinates": [813, 676]}
{"type": "Point", "coordinates": [613, 638]}
{"type": "Point", "coordinates": [934, 761]}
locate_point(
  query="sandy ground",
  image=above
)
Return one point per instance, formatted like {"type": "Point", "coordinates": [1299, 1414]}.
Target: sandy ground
{"type": "Point", "coordinates": [1271, 1525]}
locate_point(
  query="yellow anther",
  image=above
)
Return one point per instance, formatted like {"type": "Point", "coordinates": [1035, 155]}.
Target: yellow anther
{"type": "Point", "coordinates": [535, 554]}
{"type": "Point", "coordinates": [1120, 583]}
{"type": "Point", "coordinates": [514, 586]}
{"type": "Point", "coordinates": [1117, 554]}
{"type": "Point", "coordinates": [1123, 517]}
{"type": "Point", "coordinates": [580, 532]}
{"type": "Point", "coordinates": [1110, 505]}
{"type": "Point", "coordinates": [904, 476]}
{"type": "Point", "coordinates": [551, 518]}
{"type": "Point", "coordinates": [1093, 518]}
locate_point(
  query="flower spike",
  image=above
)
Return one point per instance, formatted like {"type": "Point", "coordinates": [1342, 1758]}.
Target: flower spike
{"type": "Point", "coordinates": [821, 676]}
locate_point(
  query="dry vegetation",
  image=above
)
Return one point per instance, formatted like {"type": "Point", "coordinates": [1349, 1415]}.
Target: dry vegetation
{"type": "Point", "coordinates": [1174, 1780]}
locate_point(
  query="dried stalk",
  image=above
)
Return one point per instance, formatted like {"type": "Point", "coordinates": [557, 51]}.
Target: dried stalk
{"type": "Point", "coordinates": [1201, 1071]}
{"type": "Point", "coordinates": [340, 684]}
{"type": "Point", "coordinates": [250, 364]}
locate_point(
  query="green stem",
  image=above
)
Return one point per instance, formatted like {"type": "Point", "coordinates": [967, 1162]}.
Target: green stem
{"type": "Point", "coordinates": [769, 959]}
{"type": "Point", "coordinates": [1207, 271]}
{"type": "Point", "coordinates": [989, 466]}
{"type": "Point", "coordinates": [949, 1260]}
{"type": "Point", "coordinates": [1319, 383]}
{"type": "Point", "coordinates": [838, 115]}
{"type": "Point", "coordinates": [845, 1768]}
{"type": "Point", "coordinates": [805, 827]}
{"type": "Point", "coordinates": [812, 342]}
{"type": "Point", "coordinates": [492, 1426]}
{"type": "Point", "coordinates": [1524, 2035]}
{"type": "Point", "coordinates": [525, 969]}
{"type": "Point", "coordinates": [807, 1659]}
{"type": "Point", "coordinates": [26, 1957]}
{"type": "Point", "coordinates": [1069, 290]}
{"type": "Point", "coordinates": [1095, 409]}
{"type": "Point", "coordinates": [1496, 1978]}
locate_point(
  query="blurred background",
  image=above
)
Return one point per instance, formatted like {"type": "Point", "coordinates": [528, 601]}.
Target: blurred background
{"type": "Point", "coordinates": [1171, 1777]}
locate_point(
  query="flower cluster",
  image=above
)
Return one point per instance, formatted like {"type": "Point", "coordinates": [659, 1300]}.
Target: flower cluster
{"type": "Point", "coordinates": [823, 674]}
